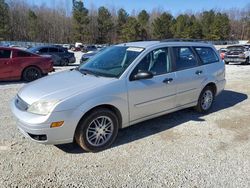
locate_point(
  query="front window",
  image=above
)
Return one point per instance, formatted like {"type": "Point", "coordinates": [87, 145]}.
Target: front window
{"type": "Point", "coordinates": [111, 62]}
{"type": "Point", "coordinates": [156, 62]}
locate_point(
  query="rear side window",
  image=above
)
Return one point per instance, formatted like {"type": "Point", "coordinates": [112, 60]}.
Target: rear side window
{"type": "Point", "coordinates": [5, 54]}
{"type": "Point", "coordinates": [61, 50]}
{"type": "Point", "coordinates": [43, 50]}
{"type": "Point", "coordinates": [207, 55]}
{"type": "Point", "coordinates": [53, 50]}
{"type": "Point", "coordinates": [184, 58]}
{"type": "Point", "coordinates": [23, 54]}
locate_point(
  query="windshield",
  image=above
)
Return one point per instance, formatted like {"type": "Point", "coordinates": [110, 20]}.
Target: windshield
{"type": "Point", "coordinates": [236, 48]}
{"type": "Point", "coordinates": [112, 61]}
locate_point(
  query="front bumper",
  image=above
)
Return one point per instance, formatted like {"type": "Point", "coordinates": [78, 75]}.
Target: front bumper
{"type": "Point", "coordinates": [234, 59]}
{"type": "Point", "coordinates": [37, 127]}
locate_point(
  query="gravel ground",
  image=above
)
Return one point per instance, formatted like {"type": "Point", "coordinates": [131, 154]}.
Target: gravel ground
{"type": "Point", "coordinates": [182, 149]}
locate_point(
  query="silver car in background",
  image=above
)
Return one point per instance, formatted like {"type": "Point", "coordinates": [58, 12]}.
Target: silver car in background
{"type": "Point", "coordinates": [121, 86]}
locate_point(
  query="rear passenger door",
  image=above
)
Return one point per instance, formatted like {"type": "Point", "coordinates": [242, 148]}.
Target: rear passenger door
{"type": "Point", "coordinates": [190, 75]}
{"type": "Point", "coordinates": [215, 68]}
{"type": "Point", "coordinates": [5, 64]}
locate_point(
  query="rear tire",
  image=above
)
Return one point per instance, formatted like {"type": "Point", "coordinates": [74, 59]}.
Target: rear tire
{"type": "Point", "coordinates": [206, 100]}
{"type": "Point", "coordinates": [31, 74]}
{"type": "Point", "coordinates": [98, 130]}
{"type": "Point", "coordinates": [64, 62]}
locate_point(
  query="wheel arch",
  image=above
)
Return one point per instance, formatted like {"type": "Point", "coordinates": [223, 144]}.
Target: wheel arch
{"type": "Point", "coordinates": [30, 66]}
{"type": "Point", "coordinates": [213, 86]}
{"type": "Point", "coordinates": [106, 106]}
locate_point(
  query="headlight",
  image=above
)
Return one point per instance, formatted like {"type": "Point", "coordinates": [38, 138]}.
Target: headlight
{"type": "Point", "coordinates": [42, 107]}
{"type": "Point", "coordinates": [242, 55]}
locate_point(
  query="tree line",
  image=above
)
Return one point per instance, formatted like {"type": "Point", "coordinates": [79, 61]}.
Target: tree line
{"type": "Point", "coordinates": [22, 22]}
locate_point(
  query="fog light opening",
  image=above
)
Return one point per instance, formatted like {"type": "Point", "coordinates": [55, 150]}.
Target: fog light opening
{"type": "Point", "coordinates": [56, 124]}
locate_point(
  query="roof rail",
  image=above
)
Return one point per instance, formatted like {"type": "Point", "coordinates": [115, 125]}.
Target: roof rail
{"type": "Point", "coordinates": [184, 40]}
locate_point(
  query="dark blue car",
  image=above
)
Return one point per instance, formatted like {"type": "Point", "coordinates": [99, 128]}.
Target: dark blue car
{"type": "Point", "coordinates": [60, 55]}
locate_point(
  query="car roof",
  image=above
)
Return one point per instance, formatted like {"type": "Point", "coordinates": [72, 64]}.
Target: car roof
{"type": "Point", "coordinates": [9, 48]}
{"type": "Point", "coordinates": [147, 44]}
{"type": "Point", "coordinates": [51, 46]}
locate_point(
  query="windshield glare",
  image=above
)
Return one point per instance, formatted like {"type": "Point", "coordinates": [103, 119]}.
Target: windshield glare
{"type": "Point", "coordinates": [112, 62]}
{"type": "Point", "coordinates": [236, 48]}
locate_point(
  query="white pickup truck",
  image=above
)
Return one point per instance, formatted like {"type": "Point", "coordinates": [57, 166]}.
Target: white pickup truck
{"type": "Point", "coordinates": [238, 54]}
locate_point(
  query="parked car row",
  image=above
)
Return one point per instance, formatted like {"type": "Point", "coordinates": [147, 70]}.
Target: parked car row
{"type": "Point", "coordinates": [236, 54]}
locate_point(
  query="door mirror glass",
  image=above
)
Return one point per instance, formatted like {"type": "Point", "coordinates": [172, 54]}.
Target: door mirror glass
{"type": "Point", "coordinates": [143, 75]}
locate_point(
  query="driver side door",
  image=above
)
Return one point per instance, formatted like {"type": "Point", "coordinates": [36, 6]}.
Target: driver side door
{"type": "Point", "coordinates": [156, 95]}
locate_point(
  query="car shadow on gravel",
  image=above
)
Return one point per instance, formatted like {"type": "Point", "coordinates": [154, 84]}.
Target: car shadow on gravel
{"type": "Point", "coordinates": [11, 82]}
{"type": "Point", "coordinates": [144, 129]}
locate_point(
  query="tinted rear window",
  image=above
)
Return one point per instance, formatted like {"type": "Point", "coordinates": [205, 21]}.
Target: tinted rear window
{"type": "Point", "coordinates": [53, 50]}
{"type": "Point", "coordinates": [43, 50]}
{"type": "Point", "coordinates": [207, 55]}
{"type": "Point", "coordinates": [23, 54]}
{"type": "Point", "coordinates": [5, 54]}
{"type": "Point", "coordinates": [62, 50]}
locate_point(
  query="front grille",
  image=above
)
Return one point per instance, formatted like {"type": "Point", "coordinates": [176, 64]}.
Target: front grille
{"type": "Point", "coordinates": [38, 137]}
{"type": "Point", "coordinates": [20, 104]}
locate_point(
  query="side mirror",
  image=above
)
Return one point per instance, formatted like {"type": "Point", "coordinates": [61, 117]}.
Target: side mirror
{"type": "Point", "coordinates": [143, 75]}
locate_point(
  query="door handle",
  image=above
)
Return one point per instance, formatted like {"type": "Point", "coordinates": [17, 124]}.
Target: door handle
{"type": "Point", "coordinates": [199, 72]}
{"type": "Point", "coordinates": [168, 80]}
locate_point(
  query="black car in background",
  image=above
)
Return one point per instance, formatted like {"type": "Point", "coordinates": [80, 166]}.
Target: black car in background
{"type": "Point", "coordinates": [60, 55]}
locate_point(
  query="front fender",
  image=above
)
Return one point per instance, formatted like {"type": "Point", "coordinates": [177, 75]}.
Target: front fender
{"type": "Point", "coordinates": [117, 102]}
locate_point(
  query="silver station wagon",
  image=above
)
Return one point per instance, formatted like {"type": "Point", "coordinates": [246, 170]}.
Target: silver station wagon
{"type": "Point", "coordinates": [121, 86]}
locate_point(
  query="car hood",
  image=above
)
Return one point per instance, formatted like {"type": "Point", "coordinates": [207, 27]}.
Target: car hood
{"type": "Point", "coordinates": [60, 86]}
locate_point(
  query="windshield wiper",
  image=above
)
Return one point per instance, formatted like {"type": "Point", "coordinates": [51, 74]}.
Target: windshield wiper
{"type": "Point", "coordinates": [87, 71]}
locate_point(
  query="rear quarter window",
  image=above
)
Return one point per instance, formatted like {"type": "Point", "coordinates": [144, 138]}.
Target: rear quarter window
{"type": "Point", "coordinates": [44, 50]}
{"type": "Point", "coordinates": [23, 54]}
{"type": "Point", "coordinates": [53, 50]}
{"type": "Point", "coordinates": [5, 54]}
{"type": "Point", "coordinates": [207, 55]}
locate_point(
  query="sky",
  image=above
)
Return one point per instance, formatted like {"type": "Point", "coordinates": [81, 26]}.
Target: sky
{"type": "Point", "coordinates": [173, 6]}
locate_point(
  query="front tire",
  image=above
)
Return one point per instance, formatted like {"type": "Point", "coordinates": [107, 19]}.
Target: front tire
{"type": "Point", "coordinates": [64, 62]}
{"type": "Point", "coordinates": [206, 100]}
{"type": "Point", "coordinates": [31, 74]}
{"type": "Point", "coordinates": [247, 62]}
{"type": "Point", "coordinates": [97, 131]}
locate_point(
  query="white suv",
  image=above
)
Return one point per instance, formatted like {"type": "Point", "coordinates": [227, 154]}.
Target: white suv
{"type": "Point", "coordinates": [121, 86]}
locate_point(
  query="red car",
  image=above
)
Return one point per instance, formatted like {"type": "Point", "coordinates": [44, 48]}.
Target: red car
{"type": "Point", "coordinates": [16, 64]}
